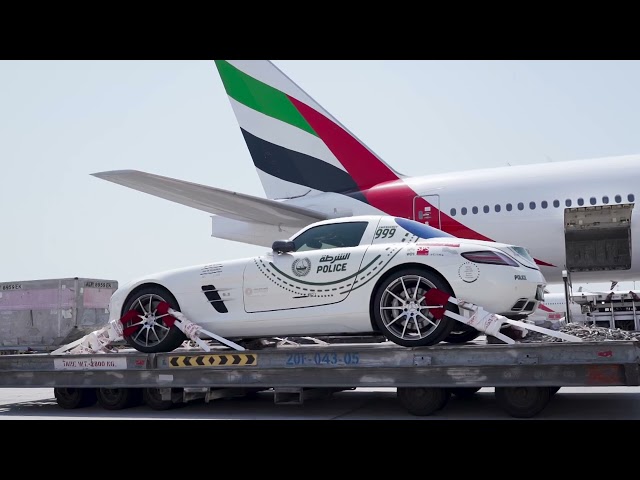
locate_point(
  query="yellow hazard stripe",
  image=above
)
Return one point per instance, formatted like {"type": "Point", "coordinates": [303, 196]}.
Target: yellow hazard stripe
{"type": "Point", "coordinates": [226, 360]}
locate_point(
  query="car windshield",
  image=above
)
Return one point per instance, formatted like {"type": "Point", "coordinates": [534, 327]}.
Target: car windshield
{"type": "Point", "coordinates": [420, 229]}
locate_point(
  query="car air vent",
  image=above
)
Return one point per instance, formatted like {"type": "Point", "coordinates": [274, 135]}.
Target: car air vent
{"type": "Point", "coordinates": [214, 298]}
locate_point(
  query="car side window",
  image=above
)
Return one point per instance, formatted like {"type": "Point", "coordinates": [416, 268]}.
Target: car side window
{"type": "Point", "coordinates": [335, 235]}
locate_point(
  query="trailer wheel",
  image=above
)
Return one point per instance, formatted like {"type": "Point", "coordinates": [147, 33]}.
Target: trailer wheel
{"type": "Point", "coordinates": [523, 402]}
{"type": "Point", "coordinates": [464, 392]}
{"type": "Point", "coordinates": [423, 401]}
{"type": "Point", "coordinates": [153, 399]}
{"type": "Point", "coordinates": [118, 398]}
{"type": "Point", "coordinates": [70, 398]}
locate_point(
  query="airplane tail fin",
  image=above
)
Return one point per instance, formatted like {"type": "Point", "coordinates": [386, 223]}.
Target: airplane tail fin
{"type": "Point", "coordinates": [297, 147]}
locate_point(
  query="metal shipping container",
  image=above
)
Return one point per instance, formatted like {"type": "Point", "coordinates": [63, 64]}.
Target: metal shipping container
{"type": "Point", "coordinates": [42, 315]}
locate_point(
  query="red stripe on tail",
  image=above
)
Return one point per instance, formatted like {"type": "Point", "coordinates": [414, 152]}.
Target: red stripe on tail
{"type": "Point", "coordinates": [365, 168]}
{"type": "Point", "coordinates": [380, 185]}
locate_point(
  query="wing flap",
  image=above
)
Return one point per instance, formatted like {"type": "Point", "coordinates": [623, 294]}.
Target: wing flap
{"type": "Point", "coordinates": [233, 205]}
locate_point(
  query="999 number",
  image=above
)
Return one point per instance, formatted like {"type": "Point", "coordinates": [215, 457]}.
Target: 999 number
{"type": "Point", "coordinates": [385, 232]}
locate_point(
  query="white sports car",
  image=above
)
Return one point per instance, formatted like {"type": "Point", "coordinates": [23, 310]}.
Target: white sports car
{"type": "Point", "coordinates": [364, 275]}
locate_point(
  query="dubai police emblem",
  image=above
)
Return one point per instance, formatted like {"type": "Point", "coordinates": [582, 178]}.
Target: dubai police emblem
{"type": "Point", "coordinates": [301, 267]}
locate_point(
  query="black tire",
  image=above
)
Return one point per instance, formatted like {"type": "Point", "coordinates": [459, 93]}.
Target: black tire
{"type": "Point", "coordinates": [387, 307]}
{"type": "Point", "coordinates": [523, 402]}
{"type": "Point", "coordinates": [554, 390]}
{"type": "Point", "coordinates": [153, 399]}
{"type": "Point", "coordinates": [464, 392]}
{"type": "Point", "coordinates": [462, 334]}
{"type": "Point", "coordinates": [118, 398]}
{"type": "Point", "coordinates": [71, 398]}
{"type": "Point", "coordinates": [154, 337]}
{"type": "Point", "coordinates": [422, 401]}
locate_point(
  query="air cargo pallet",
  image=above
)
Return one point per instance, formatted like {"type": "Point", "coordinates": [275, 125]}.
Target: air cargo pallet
{"type": "Point", "coordinates": [525, 375]}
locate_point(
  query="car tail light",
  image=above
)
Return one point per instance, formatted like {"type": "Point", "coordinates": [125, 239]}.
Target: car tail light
{"type": "Point", "coordinates": [487, 256]}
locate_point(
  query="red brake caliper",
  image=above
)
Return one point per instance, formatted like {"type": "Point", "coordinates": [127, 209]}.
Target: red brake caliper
{"type": "Point", "coordinates": [132, 316]}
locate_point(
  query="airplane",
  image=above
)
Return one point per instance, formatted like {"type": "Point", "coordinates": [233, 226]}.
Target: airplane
{"type": "Point", "coordinates": [573, 216]}
{"type": "Point", "coordinates": [554, 307]}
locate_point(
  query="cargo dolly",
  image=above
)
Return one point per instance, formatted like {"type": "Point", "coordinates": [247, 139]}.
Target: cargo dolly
{"type": "Point", "coordinates": [524, 375]}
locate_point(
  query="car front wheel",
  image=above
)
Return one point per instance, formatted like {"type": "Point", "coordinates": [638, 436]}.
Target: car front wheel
{"type": "Point", "coordinates": [151, 332]}
{"type": "Point", "coordinates": [401, 312]}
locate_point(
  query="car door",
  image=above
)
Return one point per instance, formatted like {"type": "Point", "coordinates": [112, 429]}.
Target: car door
{"type": "Point", "coordinates": [320, 271]}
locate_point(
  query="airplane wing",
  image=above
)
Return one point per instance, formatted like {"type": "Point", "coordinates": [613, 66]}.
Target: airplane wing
{"type": "Point", "coordinates": [232, 205]}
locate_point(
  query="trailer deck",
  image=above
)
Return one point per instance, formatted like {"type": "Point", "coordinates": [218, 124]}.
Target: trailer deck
{"type": "Point", "coordinates": [525, 375]}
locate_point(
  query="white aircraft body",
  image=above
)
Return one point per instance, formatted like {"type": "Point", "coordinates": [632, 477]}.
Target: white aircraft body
{"type": "Point", "coordinates": [554, 307]}
{"type": "Point", "coordinates": [575, 215]}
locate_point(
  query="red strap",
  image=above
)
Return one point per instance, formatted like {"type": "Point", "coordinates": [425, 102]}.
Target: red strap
{"type": "Point", "coordinates": [133, 316]}
{"type": "Point", "coordinates": [436, 297]}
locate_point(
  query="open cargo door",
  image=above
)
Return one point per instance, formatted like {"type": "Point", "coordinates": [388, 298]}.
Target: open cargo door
{"type": "Point", "coordinates": [598, 238]}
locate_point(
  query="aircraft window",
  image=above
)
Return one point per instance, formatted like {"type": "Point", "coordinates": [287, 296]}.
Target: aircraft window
{"type": "Point", "coordinates": [567, 202]}
{"type": "Point", "coordinates": [463, 210]}
{"type": "Point", "coordinates": [336, 235]}
{"type": "Point", "coordinates": [631, 197]}
{"type": "Point", "coordinates": [486, 209]}
{"type": "Point", "coordinates": [474, 210]}
{"type": "Point", "coordinates": [605, 199]}
{"type": "Point", "coordinates": [508, 207]}
{"type": "Point", "coordinates": [520, 206]}
{"type": "Point", "coordinates": [453, 212]}
{"type": "Point", "coordinates": [532, 205]}
{"type": "Point", "coordinates": [618, 198]}
{"type": "Point", "coordinates": [592, 200]}
{"type": "Point", "coordinates": [497, 208]}
{"type": "Point", "coordinates": [544, 204]}
{"type": "Point", "coordinates": [580, 201]}
{"type": "Point", "coordinates": [556, 203]}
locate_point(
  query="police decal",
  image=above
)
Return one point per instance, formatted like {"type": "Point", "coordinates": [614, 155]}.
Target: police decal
{"type": "Point", "coordinates": [301, 267]}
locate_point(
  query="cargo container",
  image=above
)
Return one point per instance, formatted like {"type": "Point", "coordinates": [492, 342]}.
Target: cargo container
{"type": "Point", "coordinates": [41, 315]}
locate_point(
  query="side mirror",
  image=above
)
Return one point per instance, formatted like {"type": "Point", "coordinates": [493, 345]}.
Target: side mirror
{"type": "Point", "coordinates": [283, 246]}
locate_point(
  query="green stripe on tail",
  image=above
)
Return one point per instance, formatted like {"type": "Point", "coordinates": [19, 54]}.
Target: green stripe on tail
{"type": "Point", "coordinates": [260, 96]}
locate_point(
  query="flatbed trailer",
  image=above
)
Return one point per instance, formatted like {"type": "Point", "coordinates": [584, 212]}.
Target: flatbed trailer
{"type": "Point", "coordinates": [525, 375]}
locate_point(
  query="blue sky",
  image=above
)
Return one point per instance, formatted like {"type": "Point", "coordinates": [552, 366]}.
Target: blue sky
{"type": "Point", "coordinates": [60, 121]}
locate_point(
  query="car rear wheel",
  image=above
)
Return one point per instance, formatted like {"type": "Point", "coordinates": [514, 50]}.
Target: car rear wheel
{"type": "Point", "coordinates": [462, 334]}
{"type": "Point", "coordinates": [401, 313]}
{"type": "Point", "coordinates": [152, 333]}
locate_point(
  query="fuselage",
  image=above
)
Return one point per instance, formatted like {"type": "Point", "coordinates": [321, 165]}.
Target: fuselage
{"type": "Point", "coordinates": [549, 208]}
